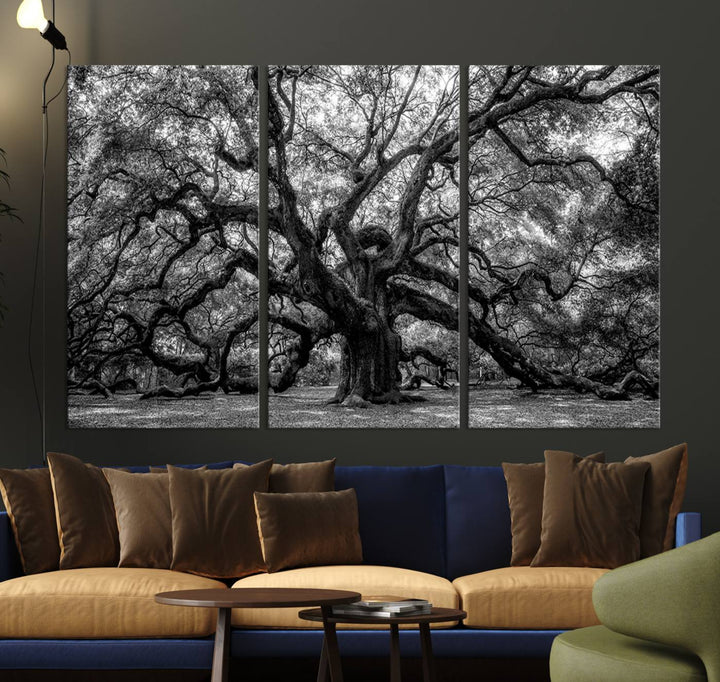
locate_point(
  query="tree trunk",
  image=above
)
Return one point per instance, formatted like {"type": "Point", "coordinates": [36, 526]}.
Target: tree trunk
{"type": "Point", "coordinates": [370, 357]}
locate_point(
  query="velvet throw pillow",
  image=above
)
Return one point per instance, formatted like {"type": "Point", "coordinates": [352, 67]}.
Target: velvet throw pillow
{"type": "Point", "coordinates": [525, 484]}
{"type": "Point", "coordinates": [214, 532]}
{"type": "Point", "coordinates": [308, 529]}
{"type": "Point", "coordinates": [662, 498]}
{"type": "Point", "coordinates": [144, 519]}
{"type": "Point", "coordinates": [85, 515]}
{"type": "Point", "coordinates": [28, 498]}
{"type": "Point", "coordinates": [591, 512]}
{"type": "Point", "coordinates": [300, 477]}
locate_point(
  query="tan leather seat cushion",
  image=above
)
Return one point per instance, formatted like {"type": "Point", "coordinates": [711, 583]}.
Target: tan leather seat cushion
{"type": "Point", "coordinates": [94, 603]}
{"type": "Point", "coordinates": [529, 598]}
{"type": "Point", "coordinates": [370, 581]}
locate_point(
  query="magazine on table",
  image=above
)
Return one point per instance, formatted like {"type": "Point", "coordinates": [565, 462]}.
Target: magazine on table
{"type": "Point", "coordinates": [383, 607]}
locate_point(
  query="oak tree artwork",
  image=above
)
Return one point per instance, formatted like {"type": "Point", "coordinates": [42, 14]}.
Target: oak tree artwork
{"type": "Point", "coordinates": [363, 227]}
{"type": "Point", "coordinates": [564, 228]}
{"type": "Point", "coordinates": [162, 235]}
{"type": "Point", "coordinates": [363, 241]}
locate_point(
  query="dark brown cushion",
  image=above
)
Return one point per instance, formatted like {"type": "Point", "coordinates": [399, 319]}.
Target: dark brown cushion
{"type": "Point", "coordinates": [591, 512]}
{"type": "Point", "coordinates": [308, 529]}
{"type": "Point", "coordinates": [213, 520]}
{"type": "Point", "coordinates": [142, 508]}
{"type": "Point", "coordinates": [301, 477]}
{"type": "Point", "coordinates": [525, 484]}
{"type": "Point", "coordinates": [85, 514]}
{"type": "Point", "coordinates": [28, 498]}
{"type": "Point", "coordinates": [663, 498]}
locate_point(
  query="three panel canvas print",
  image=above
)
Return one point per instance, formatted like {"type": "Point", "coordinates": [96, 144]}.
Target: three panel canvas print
{"type": "Point", "coordinates": [162, 247]}
{"type": "Point", "coordinates": [564, 246]}
{"type": "Point", "coordinates": [363, 225]}
{"type": "Point", "coordinates": [366, 243]}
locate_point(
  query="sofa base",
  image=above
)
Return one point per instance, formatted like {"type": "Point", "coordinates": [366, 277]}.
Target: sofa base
{"type": "Point", "coordinates": [196, 654]}
{"type": "Point", "coordinates": [305, 670]}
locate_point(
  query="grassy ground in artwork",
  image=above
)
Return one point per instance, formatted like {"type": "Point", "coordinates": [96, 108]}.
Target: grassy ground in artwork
{"type": "Point", "coordinates": [506, 408]}
{"type": "Point", "coordinates": [305, 407]}
{"type": "Point", "coordinates": [210, 411]}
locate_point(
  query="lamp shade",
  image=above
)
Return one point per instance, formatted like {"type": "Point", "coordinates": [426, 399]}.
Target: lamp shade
{"type": "Point", "coordinates": [30, 14]}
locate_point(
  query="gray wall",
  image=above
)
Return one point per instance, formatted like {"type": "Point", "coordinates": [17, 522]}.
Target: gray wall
{"type": "Point", "coordinates": [391, 31]}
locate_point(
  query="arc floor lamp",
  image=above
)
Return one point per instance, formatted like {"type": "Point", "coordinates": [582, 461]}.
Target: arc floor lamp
{"type": "Point", "coordinates": [31, 14]}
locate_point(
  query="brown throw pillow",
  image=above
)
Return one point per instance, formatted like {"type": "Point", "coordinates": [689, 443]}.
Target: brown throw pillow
{"type": "Point", "coordinates": [214, 532]}
{"type": "Point", "coordinates": [591, 512]}
{"type": "Point", "coordinates": [28, 498]}
{"type": "Point", "coordinates": [525, 484]}
{"type": "Point", "coordinates": [84, 512]}
{"type": "Point", "coordinates": [308, 529]}
{"type": "Point", "coordinates": [144, 519]}
{"type": "Point", "coordinates": [302, 477]}
{"type": "Point", "coordinates": [663, 498]}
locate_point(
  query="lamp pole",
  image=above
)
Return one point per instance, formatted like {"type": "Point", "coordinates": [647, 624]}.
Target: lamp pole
{"type": "Point", "coordinates": [30, 14]}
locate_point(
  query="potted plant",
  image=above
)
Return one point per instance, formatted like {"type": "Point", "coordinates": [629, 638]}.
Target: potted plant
{"type": "Point", "coordinates": [6, 211]}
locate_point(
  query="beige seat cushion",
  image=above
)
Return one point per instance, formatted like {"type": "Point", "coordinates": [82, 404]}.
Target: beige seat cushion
{"type": "Point", "coordinates": [370, 581]}
{"type": "Point", "coordinates": [94, 603]}
{"type": "Point", "coordinates": [529, 598]}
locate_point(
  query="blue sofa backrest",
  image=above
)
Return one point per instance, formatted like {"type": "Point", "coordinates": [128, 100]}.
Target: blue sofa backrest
{"type": "Point", "coordinates": [144, 468]}
{"type": "Point", "coordinates": [10, 566]}
{"type": "Point", "coordinates": [446, 520]}
{"type": "Point", "coordinates": [402, 514]}
{"type": "Point", "coordinates": [478, 520]}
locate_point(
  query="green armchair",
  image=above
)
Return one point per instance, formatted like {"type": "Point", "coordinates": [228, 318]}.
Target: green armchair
{"type": "Point", "coordinates": [661, 622]}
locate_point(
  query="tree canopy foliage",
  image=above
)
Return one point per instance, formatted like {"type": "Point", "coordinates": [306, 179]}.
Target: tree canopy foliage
{"type": "Point", "coordinates": [162, 229]}
{"type": "Point", "coordinates": [363, 223]}
{"type": "Point", "coordinates": [564, 243]}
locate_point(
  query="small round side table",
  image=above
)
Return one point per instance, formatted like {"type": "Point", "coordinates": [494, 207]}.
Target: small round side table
{"type": "Point", "coordinates": [330, 650]}
{"type": "Point", "coordinates": [257, 598]}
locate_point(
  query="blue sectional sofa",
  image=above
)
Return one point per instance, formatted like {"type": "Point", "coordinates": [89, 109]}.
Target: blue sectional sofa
{"type": "Point", "coordinates": [446, 521]}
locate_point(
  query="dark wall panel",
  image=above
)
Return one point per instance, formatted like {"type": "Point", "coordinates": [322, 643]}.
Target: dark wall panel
{"type": "Point", "coordinates": [403, 31]}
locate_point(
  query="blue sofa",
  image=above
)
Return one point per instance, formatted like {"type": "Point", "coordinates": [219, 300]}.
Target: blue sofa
{"type": "Point", "coordinates": [449, 521]}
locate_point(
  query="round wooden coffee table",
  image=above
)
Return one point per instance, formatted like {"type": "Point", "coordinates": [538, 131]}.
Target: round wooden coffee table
{"type": "Point", "coordinates": [331, 653]}
{"type": "Point", "coordinates": [252, 598]}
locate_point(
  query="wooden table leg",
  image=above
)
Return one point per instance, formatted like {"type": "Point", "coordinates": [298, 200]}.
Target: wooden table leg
{"type": "Point", "coordinates": [427, 654]}
{"type": "Point", "coordinates": [221, 652]}
{"type": "Point", "coordinates": [323, 667]}
{"type": "Point", "coordinates": [395, 667]}
{"type": "Point", "coordinates": [331, 642]}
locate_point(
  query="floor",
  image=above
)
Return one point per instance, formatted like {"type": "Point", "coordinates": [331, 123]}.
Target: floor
{"type": "Point", "coordinates": [305, 670]}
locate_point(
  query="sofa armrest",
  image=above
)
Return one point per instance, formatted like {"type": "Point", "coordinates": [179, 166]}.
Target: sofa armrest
{"type": "Point", "coordinates": [672, 598]}
{"type": "Point", "coordinates": [688, 528]}
{"type": "Point", "coordinates": [10, 566]}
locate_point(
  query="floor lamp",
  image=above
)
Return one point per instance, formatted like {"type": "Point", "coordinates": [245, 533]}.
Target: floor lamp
{"type": "Point", "coordinates": [30, 14]}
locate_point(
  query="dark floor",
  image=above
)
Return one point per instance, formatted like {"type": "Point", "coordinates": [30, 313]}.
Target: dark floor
{"type": "Point", "coordinates": [305, 670]}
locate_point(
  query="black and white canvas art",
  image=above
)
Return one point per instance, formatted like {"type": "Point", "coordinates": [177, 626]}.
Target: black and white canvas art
{"type": "Point", "coordinates": [363, 246]}
{"type": "Point", "coordinates": [162, 247]}
{"type": "Point", "coordinates": [564, 246]}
